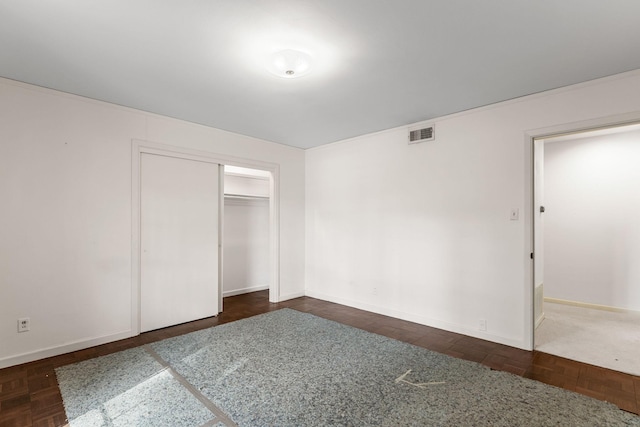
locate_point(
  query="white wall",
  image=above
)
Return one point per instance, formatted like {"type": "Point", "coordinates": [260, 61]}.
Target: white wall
{"type": "Point", "coordinates": [592, 224]}
{"type": "Point", "coordinates": [422, 232]}
{"type": "Point", "coordinates": [246, 245]}
{"type": "Point", "coordinates": [65, 239]}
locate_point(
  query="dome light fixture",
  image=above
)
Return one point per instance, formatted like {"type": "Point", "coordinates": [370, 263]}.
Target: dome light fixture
{"type": "Point", "coordinates": [290, 64]}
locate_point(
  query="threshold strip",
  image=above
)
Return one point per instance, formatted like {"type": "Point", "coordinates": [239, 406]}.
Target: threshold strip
{"type": "Point", "coordinates": [220, 416]}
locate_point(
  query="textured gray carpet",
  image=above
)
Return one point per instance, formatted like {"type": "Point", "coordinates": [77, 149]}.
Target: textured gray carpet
{"type": "Point", "coordinates": [288, 368]}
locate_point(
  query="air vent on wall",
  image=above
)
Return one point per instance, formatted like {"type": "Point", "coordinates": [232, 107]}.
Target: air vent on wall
{"type": "Point", "coordinates": [421, 135]}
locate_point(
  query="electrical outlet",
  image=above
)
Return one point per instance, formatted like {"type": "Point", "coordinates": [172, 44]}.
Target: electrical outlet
{"type": "Point", "coordinates": [482, 324]}
{"type": "Point", "coordinates": [24, 324]}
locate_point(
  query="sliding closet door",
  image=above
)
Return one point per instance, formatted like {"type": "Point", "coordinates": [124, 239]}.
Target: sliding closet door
{"type": "Point", "coordinates": [179, 208]}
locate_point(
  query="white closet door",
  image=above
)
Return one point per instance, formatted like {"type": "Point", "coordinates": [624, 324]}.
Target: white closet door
{"type": "Point", "coordinates": [179, 240]}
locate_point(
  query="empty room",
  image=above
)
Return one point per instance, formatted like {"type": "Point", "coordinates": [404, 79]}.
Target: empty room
{"type": "Point", "coordinates": [298, 213]}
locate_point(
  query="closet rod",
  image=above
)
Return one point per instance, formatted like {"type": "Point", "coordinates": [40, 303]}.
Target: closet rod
{"type": "Point", "coordinates": [244, 196]}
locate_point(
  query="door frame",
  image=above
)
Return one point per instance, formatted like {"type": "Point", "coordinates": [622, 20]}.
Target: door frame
{"type": "Point", "coordinates": [529, 155]}
{"type": "Point", "coordinates": [141, 146]}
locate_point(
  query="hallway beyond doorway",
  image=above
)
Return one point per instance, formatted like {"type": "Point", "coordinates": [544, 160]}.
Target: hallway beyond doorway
{"type": "Point", "coordinates": [609, 339]}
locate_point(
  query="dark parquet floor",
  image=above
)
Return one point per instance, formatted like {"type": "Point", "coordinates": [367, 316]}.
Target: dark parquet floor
{"type": "Point", "coordinates": [29, 393]}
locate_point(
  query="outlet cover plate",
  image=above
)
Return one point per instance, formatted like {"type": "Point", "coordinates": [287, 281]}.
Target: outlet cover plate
{"type": "Point", "coordinates": [24, 324]}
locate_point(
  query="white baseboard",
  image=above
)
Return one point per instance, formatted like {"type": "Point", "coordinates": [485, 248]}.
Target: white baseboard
{"type": "Point", "coordinates": [539, 320]}
{"type": "Point", "coordinates": [589, 305]}
{"type": "Point", "coordinates": [31, 356]}
{"type": "Point", "coordinates": [292, 296]}
{"type": "Point", "coordinates": [422, 320]}
{"type": "Point", "coordinates": [262, 288]}
{"type": "Point", "coordinates": [244, 290]}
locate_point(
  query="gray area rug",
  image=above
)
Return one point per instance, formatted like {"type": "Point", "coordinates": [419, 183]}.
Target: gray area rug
{"type": "Point", "coordinates": [287, 368]}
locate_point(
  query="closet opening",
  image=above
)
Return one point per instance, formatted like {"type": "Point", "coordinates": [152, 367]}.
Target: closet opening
{"type": "Point", "coordinates": [246, 231]}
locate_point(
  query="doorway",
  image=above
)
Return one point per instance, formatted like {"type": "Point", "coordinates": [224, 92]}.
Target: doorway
{"type": "Point", "coordinates": [246, 231]}
{"type": "Point", "coordinates": [586, 238]}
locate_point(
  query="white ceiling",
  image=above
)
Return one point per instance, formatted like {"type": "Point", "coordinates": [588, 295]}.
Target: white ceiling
{"type": "Point", "coordinates": [378, 63]}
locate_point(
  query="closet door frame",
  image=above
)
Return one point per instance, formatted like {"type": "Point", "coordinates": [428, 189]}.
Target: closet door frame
{"type": "Point", "coordinates": [140, 146]}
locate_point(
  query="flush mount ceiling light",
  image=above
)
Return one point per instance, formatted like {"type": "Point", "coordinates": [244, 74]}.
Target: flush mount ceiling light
{"type": "Point", "coordinates": [289, 64]}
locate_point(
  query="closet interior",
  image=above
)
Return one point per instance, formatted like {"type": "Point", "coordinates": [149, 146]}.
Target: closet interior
{"type": "Point", "coordinates": [245, 231]}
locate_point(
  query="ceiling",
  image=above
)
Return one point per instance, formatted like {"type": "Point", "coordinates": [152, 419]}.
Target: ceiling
{"type": "Point", "coordinates": [378, 64]}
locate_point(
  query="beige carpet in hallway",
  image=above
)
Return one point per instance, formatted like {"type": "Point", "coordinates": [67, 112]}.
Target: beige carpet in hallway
{"type": "Point", "coordinates": [598, 337]}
